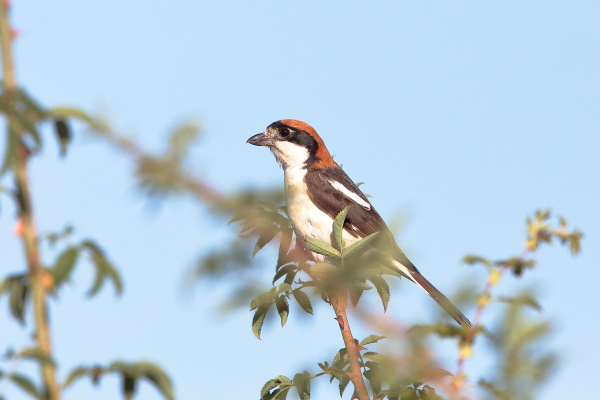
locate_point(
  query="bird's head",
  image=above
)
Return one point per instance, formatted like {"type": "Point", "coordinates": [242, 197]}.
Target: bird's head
{"type": "Point", "coordinates": [295, 144]}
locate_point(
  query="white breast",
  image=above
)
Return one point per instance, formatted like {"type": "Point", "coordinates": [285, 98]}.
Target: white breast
{"type": "Point", "coordinates": [306, 219]}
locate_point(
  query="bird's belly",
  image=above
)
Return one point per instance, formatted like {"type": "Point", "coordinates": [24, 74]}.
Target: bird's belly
{"type": "Point", "coordinates": [308, 221]}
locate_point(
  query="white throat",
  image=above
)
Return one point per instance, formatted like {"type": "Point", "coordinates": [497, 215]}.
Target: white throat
{"type": "Point", "coordinates": [290, 155]}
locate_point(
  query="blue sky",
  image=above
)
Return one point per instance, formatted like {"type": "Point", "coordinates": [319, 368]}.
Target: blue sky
{"type": "Point", "coordinates": [463, 117]}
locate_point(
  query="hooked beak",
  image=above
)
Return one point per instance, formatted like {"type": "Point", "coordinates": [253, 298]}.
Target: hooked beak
{"type": "Point", "coordinates": [260, 140]}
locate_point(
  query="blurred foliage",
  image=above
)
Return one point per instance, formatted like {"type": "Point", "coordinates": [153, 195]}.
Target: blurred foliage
{"type": "Point", "coordinates": [522, 366]}
{"type": "Point", "coordinates": [407, 368]}
{"type": "Point", "coordinates": [130, 373]}
{"type": "Point", "coordinates": [24, 118]}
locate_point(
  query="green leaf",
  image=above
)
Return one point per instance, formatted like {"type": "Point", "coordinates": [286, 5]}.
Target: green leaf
{"type": "Point", "coordinates": [96, 372]}
{"type": "Point", "coordinates": [282, 393]}
{"type": "Point", "coordinates": [383, 289]}
{"type": "Point", "coordinates": [63, 134]}
{"type": "Point", "coordinates": [321, 248]}
{"type": "Point", "coordinates": [283, 308]}
{"type": "Point", "coordinates": [269, 206]}
{"type": "Point", "coordinates": [355, 295]}
{"type": "Point", "coordinates": [264, 238]}
{"type": "Point", "coordinates": [338, 227]}
{"type": "Point", "coordinates": [104, 269]}
{"type": "Point", "coordinates": [75, 374]}
{"type": "Point", "coordinates": [26, 384]}
{"type": "Point", "coordinates": [289, 279]}
{"type": "Point", "coordinates": [387, 270]}
{"type": "Point", "coordinates": [263, 298]}
{"type": "Point", "coordinates": [371, 339]}
{"type": "Point", "coordinates": [376, 357]}
{"type": "Point", "coordinates": [64, 265]}
{"type": "Point", "coordinates": [37, 354]}
{"type": "Point", "coordinates": [28, 126]}
{"type": "Point", "coordinates": [128, 386]}
{"type": "Point", "coordinates": [284, 246]}
{"type": "Point", "coordinates": [259, 319]}
{"type": "Point", "coordinates": [283, 288]}
{"type": "Point", "coordinates": [517, 265]}
{"type": "Point", "coordinates": [10, 151]}
{"type": "Point", "coordinates": [284, 380]}
{"type": "Point", "coordinates": [268, 386]}
{"type": "Point", "coordinates": [360, 244]}
{"type": "Point", "coordinates": [523, 299]}
{"type": "Point", "coordinates": [18, 287]}
{"type": "Point", "coordinates": [324, 268]}
{"type": "Point", "coordinates": [374, 380]}
{"type": "Point", "coordinates": [158, 377]}
{"type": "Point", "coordinates": [33, 108]}
{"type": "Point", "coordinates": [72, 112]}
{"type": "Point", "coordinates": [360, 285]}
{"type": "Point", "coordinates": [240, 216]}
{"type": "Point", "coordinates": [115, 277]}
{"type": "Point", "coordinates": [281, 384]}
{"type": "Point", "coordinates": [303, 300]}
{"type": "Point", "coordinates": [284, 271]}
{"type": "Point", "coordinates": [131, 373]}
{"type": "Point", "coordinates": [302, 384]}
{"type": "Point", "coordinates": [344, 380]}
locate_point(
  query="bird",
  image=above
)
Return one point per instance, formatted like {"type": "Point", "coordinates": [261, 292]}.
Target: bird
{"type": "Point", "coordinates": [317, 189]}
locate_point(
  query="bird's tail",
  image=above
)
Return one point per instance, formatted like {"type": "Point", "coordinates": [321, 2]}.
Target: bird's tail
{"type": "Point", "coordinates": [414, 275]}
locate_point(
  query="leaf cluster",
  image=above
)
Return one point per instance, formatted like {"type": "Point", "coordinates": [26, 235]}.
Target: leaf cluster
{"type": "Point", "coordinates": [539, 231]}
{"type": "Point", "coordinates": [24, 114]}
{"type": "Point", "coordinates": [375, 367]}
{"type": "Point", "coordinates": [131, 374]}
{"type": "Point", "coordinates": [516, 264]}
{"type": "Point", "coordinates": [347, 271]}
{"type": "Point", "coordinates": [65, 263]}
{"type": "Point", "coordinates": [18, 286]}
{"type": "Point", "coordinates": [22, 381]}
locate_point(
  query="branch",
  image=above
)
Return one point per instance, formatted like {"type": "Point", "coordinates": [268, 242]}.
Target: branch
{"type": "Point", "coordinates": [338, 302]}
{"type": "Point", "coordinates": [37, 273]}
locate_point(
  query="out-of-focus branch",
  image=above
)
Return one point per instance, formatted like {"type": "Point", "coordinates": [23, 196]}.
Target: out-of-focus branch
{"type": "Point", "coordinates": [467, 346]}
{"type": "Point", "coordinates": [165, 173]}
{"type": "Point", "coordinates": [6, 40]}
{"type": "Point", "coordinates": [539, 231]}
{"type": "Point", "coordinates": [147, 163]}
{"type": "Point", "coordinates": [29, 236]}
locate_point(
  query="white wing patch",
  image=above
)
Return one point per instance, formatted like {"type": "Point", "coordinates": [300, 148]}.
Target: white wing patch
{"type": "Point", "coordinates": [338, 186]}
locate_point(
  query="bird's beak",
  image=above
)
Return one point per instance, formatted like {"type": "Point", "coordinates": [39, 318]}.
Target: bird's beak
{"type": "Point", "coordinates": [260, 140]}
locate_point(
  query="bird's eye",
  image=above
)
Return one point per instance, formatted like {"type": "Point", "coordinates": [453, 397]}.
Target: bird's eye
{"type": "Point", "coordinates": [285, 132]}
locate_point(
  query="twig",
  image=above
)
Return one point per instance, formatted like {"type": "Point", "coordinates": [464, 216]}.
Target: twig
{"type": "Point", "coordinates": [29, 235]}
{"type": "Point", "coordinates": [484, 299]}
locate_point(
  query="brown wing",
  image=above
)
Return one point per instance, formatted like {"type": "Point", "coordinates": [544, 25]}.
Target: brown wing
{"type": "Point", "coordinates": [360, 221]}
